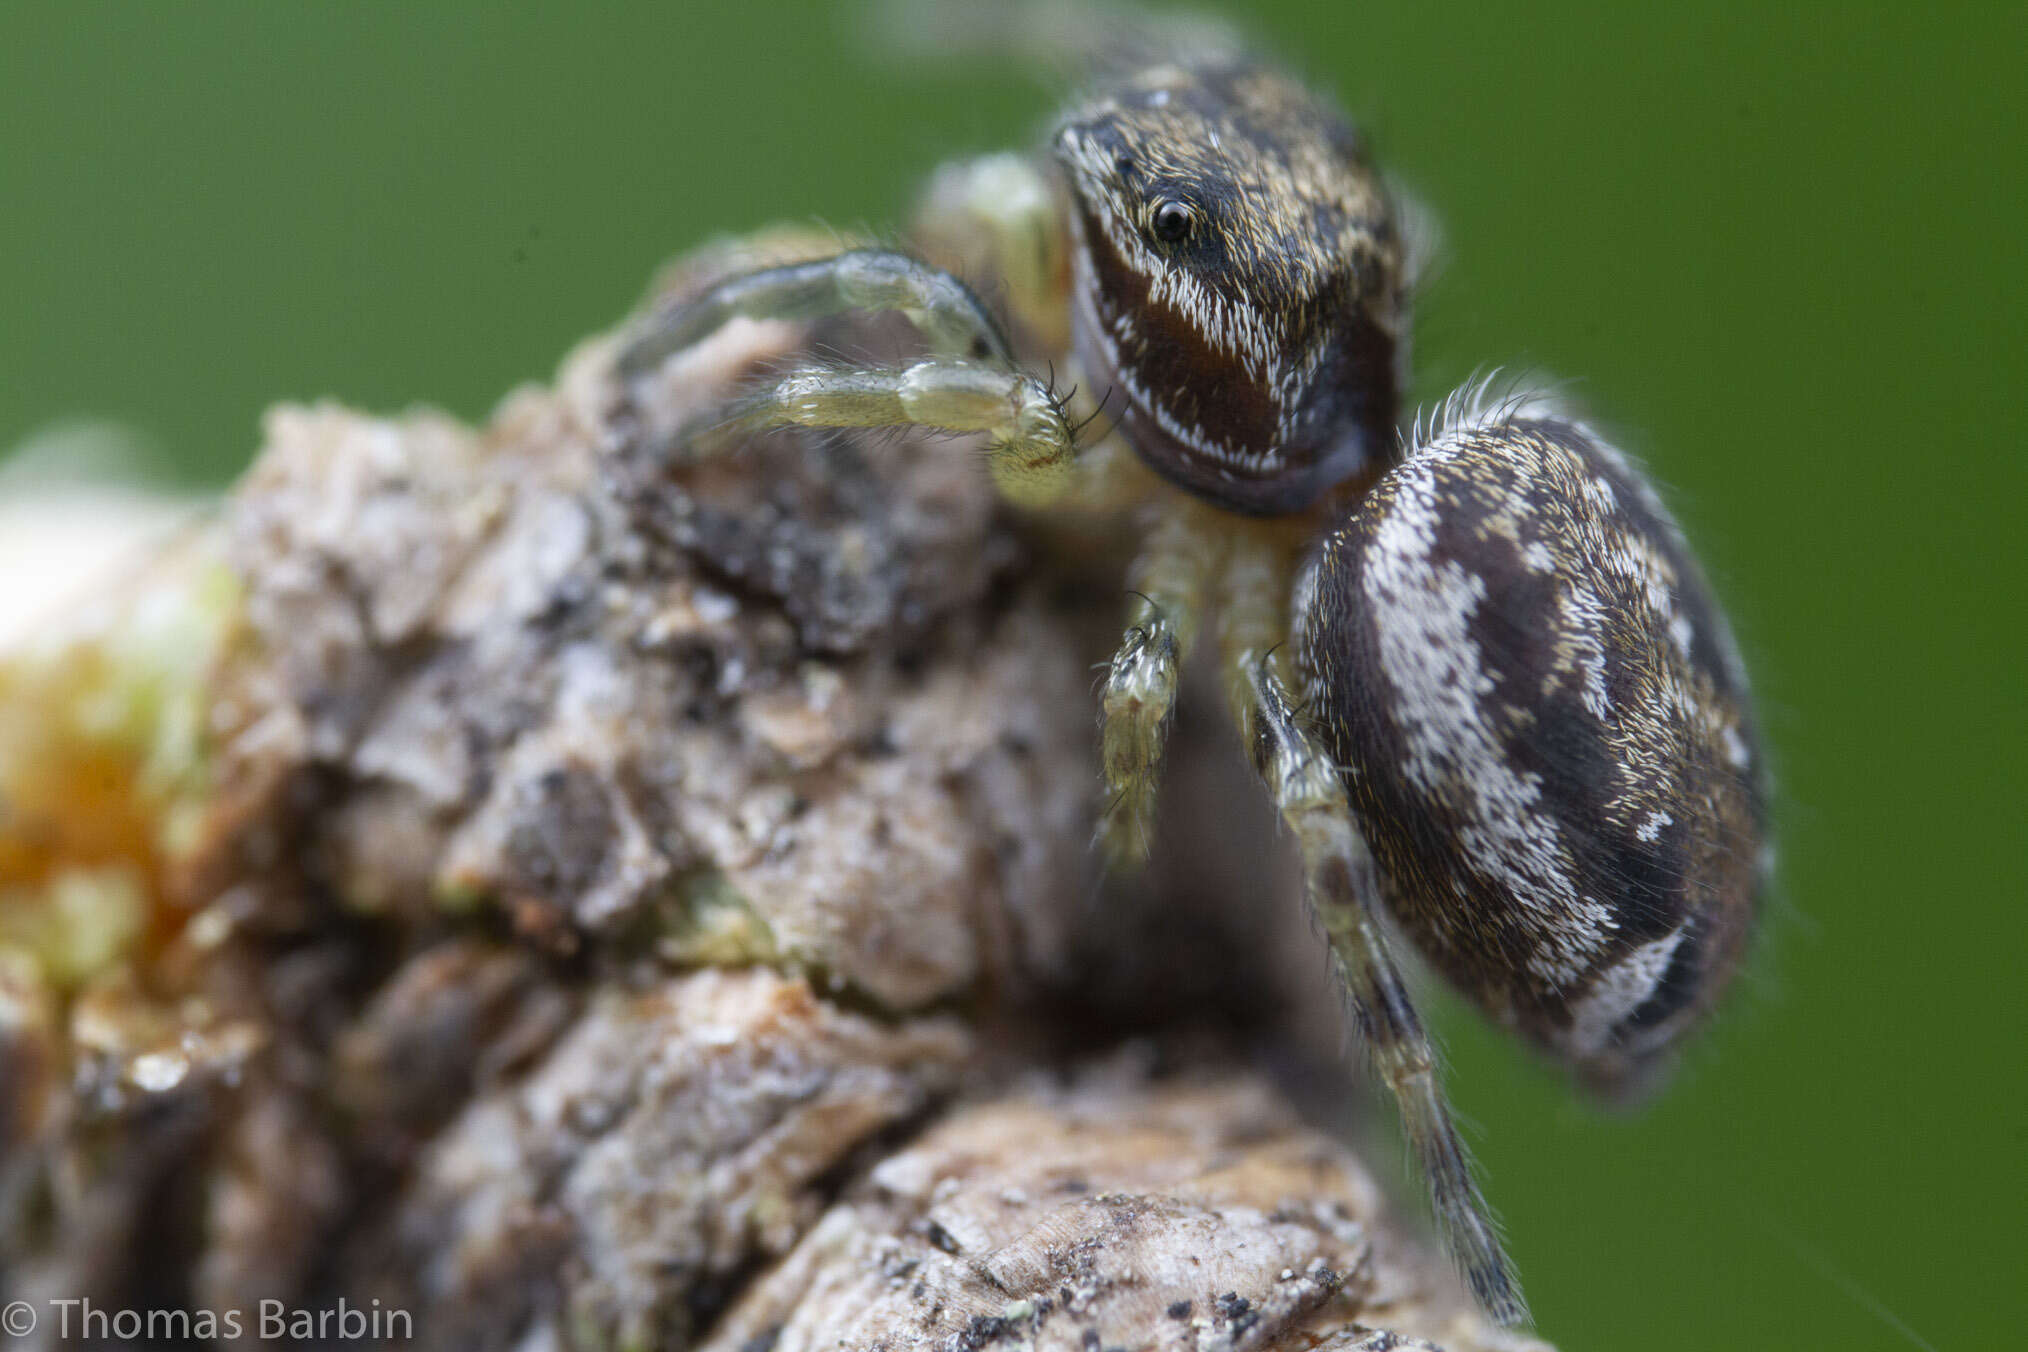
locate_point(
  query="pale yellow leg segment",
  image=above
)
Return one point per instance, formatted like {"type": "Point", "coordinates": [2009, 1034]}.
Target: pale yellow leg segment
{"type": "Point", "coordinates": [1343, 886]}
{"type": "Point", "coordinates": [1253, 607]}
{"type": "Point", "coordinates": [996, 221]}
{"type": "Point", "coordinates": [951, 319]}
{"type": "Point", "coordinates": [1030, 448]}
{"type": "Point", "coordinates": [1170, 579]}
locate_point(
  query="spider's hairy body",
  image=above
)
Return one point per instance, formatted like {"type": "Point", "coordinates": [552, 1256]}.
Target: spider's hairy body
{"type": "Point", "coordinates": [1520, 733]}
{"type": "Point", "coordinates": [1510, 640]}
{"type": "Point", "coordinates": [1278, 315]}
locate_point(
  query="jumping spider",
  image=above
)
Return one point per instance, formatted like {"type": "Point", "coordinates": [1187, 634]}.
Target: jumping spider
{"type": "Point", "coordinates": [1521, 736]}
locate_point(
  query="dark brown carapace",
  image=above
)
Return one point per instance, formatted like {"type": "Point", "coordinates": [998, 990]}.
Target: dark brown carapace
{"type": "Point", "coordinates": [1523, 737]}
{"type": "Point", "coordinates": [1239, 279]}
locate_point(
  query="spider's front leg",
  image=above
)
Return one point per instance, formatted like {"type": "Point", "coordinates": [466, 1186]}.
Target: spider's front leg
{"type": "Point", "coordinates": [1342, 884]}
{"type": "Point", "coordinates": [968, 383]}
{"type": "Point", "coordinates": [952, 320]}
{"type": "Point", "coordinates": [1030, 450]}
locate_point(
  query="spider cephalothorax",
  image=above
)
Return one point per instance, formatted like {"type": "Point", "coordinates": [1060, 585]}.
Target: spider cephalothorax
{"type": "Point", "coordinates": [1238, 280]}
{"type": "Point", "coordinates": [1513, 680]}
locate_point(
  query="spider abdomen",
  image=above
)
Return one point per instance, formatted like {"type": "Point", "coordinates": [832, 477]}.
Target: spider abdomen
{"type": "Point", "coordinates": [1545, 731]}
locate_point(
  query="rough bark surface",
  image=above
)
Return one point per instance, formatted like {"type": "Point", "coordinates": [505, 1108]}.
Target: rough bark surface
{"type": "Point", "coordinates": [1108, 1208]}
{"type": "Point", "coordinates": [584, 900]}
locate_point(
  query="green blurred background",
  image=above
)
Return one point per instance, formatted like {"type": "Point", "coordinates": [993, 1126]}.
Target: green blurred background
{"type": "Point", "coordinates": [1782, 247]}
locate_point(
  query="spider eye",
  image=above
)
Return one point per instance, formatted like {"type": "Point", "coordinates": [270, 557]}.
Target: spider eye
{"type": "Point", "coordinates": [1172, 221]}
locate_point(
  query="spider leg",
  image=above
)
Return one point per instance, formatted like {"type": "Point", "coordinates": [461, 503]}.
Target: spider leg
{"type": "Point", "coordinates": [1179, 555]}
{"type": "Point", "coordinates": [995, 220]}
{"type": "Point", "coordinates": [968, 384]}
{"type": "Point", "coordinates": [1342, 884]}
{"type": "Point", "coordinates": [951, 319]}
{"type": "Point", "coordinates": [1030, 450]}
